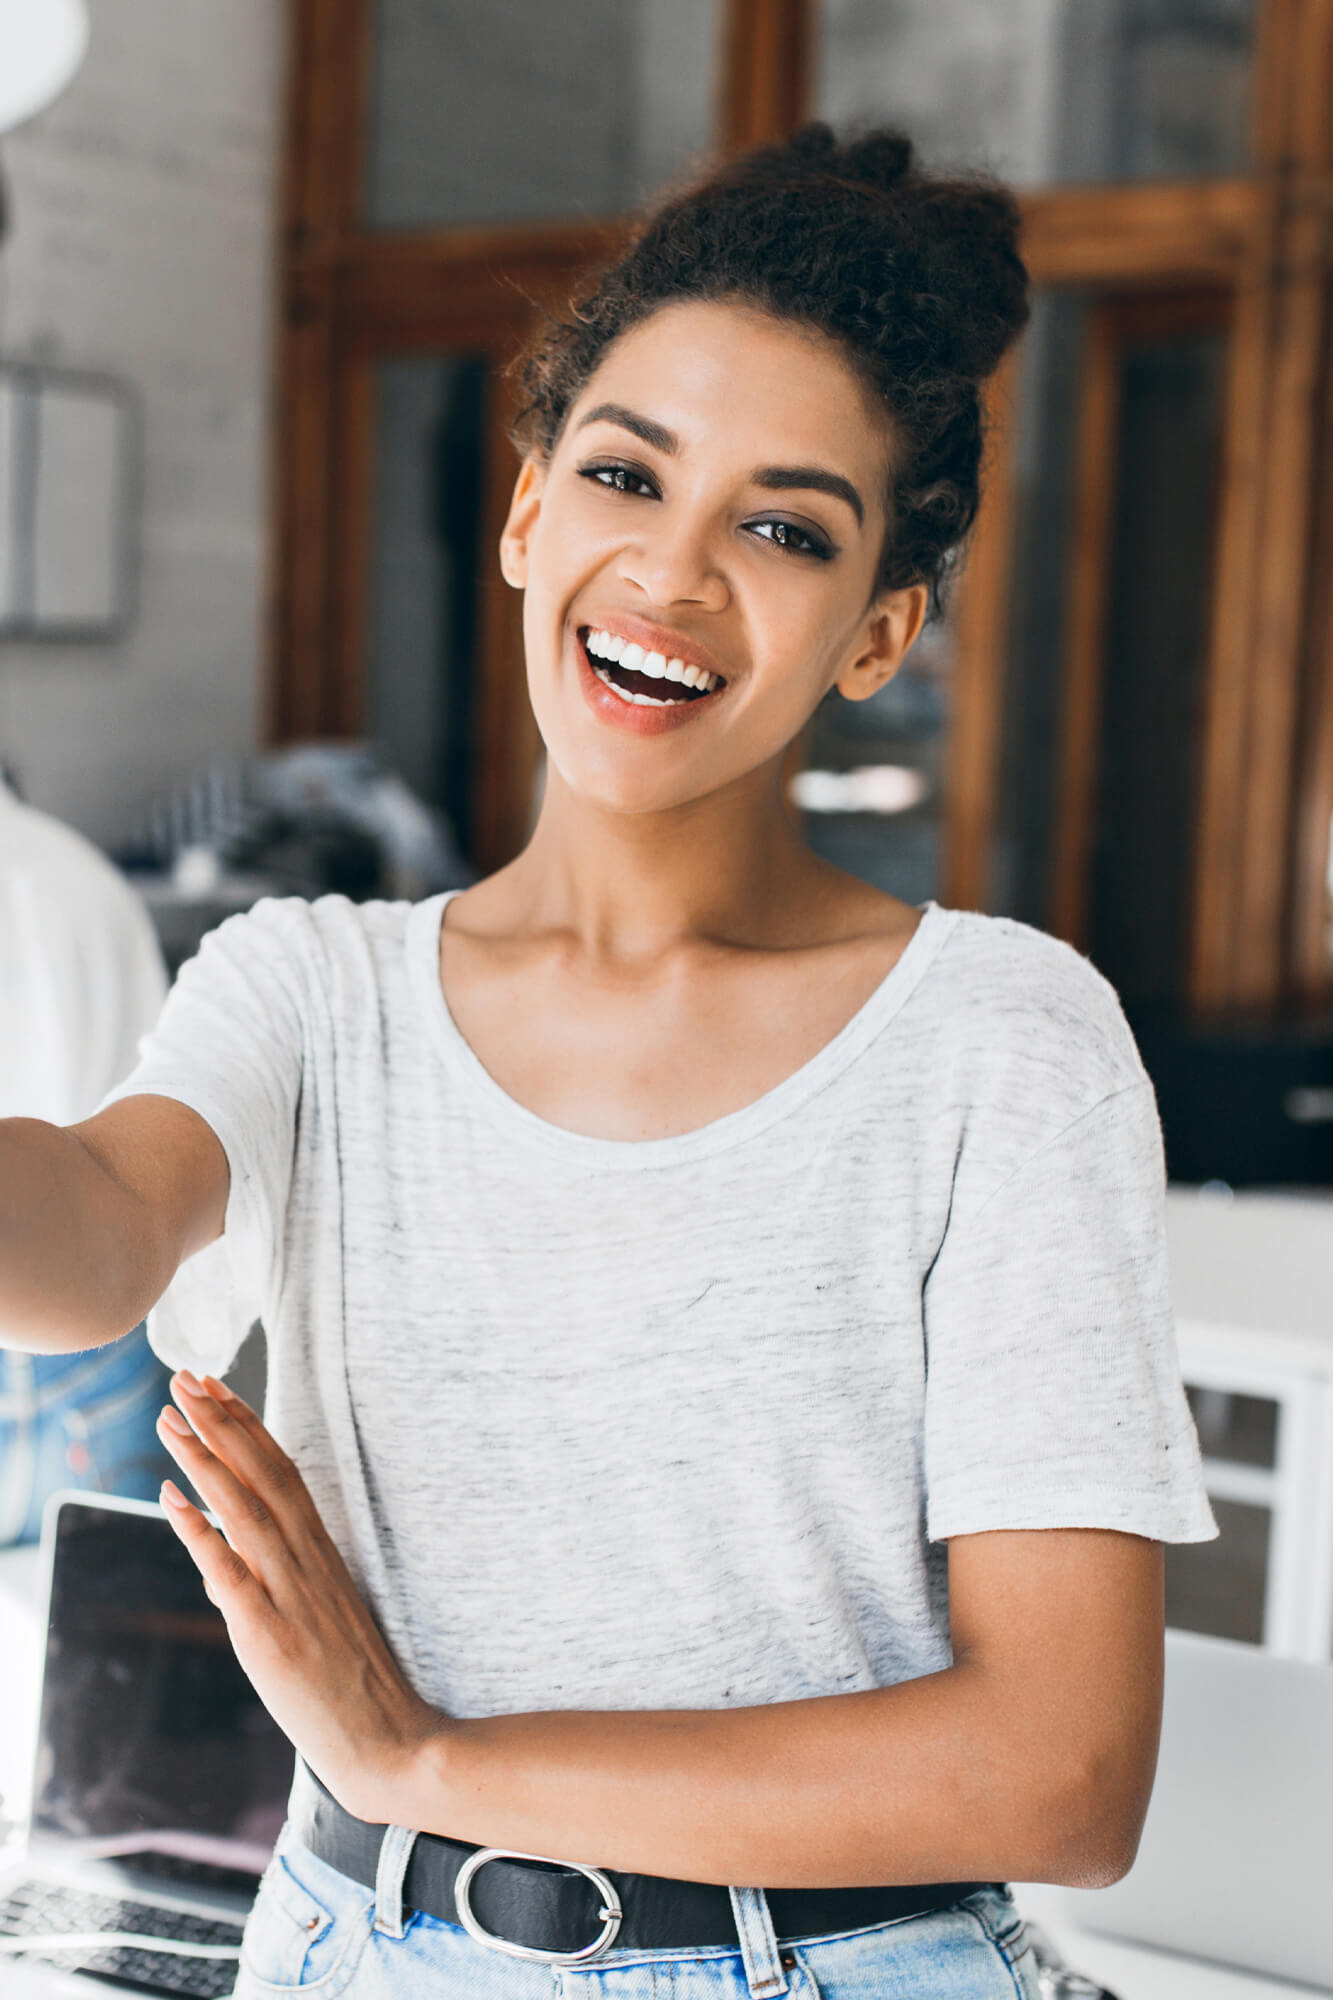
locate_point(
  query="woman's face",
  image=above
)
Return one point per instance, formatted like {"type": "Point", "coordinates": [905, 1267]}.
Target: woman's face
{"type": "Point", "coordinates": [715, 501]}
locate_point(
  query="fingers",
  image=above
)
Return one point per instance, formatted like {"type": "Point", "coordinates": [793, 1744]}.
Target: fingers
{"type": "Point", "coordinates": [228, 1582]}
{"type": "Point", "coordinates": [237, 1438]}
{"type": "Point", "coordinates": [248, 1523]}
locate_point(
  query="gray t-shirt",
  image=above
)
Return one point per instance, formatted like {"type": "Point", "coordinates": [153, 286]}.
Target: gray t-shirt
{"type": "Point", "coordinates": [682, 1422]}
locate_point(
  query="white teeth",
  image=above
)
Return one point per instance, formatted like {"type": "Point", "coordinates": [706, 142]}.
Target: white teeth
{"type": "Point", "coordinates": [606, 681]}
{"type": "Point", "coordinates": [604, 646]}
{"type": "Point", "coordinates": [638, 700]}
{"type": "Point", "coordinates": [610, 646]}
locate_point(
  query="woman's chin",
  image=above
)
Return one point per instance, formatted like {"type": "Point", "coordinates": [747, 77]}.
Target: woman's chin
{"type": "Point", "coordinates": [609, 784]}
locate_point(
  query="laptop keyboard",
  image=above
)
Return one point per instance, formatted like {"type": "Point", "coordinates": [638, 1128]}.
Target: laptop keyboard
{"type": "Point", "coordinates": [42, 1908]}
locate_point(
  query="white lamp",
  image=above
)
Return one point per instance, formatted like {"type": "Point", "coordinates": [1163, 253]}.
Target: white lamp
{"type": "Point", "coordinates": [42, 43]}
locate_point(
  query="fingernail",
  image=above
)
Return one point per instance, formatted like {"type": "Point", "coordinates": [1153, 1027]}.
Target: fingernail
{"type": "Point", "coordinates": [189, 1384]}
{"type": "Point", "coordinates": [174, 1421]}
{"type": "Point", "coordinates": [172, 1495]}
{"type": "Point", "coordinates": [220, 1389]}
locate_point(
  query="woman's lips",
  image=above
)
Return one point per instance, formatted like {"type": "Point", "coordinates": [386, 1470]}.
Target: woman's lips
{"type": "Point", "coordinates": [618, 713]}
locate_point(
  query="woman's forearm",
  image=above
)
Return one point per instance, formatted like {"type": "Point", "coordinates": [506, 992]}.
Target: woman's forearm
{"type": "Point", "coordinates": [73, 1274]}
{"type": "Point", "coordinates": [1031, 1756]}
{"type": "Point", "coordinates": [938, 1779]}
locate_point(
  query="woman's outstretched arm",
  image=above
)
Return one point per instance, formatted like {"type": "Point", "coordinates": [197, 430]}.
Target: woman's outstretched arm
{"type": "Point", "coordinates": [1030, 1758]}
{"type": "Point", "coordinates": [95, 1218]}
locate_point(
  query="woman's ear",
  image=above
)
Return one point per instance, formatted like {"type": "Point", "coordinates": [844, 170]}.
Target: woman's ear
{"type": "Point", "coordinates": [893, 629]}
{"type": "Point", "coordinates": [524, 508]}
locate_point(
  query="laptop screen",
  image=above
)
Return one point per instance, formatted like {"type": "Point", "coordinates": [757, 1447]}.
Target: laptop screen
{"type": "Point", "coordinates": [148, 1725]}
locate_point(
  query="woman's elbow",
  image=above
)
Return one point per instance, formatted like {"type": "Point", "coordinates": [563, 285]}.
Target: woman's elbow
{"type": "Point", "coordinates": [1089, 1824]}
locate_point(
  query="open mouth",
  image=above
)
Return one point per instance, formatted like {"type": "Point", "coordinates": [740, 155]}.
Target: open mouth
{"type": "Point", "coordinates": [650, 680]}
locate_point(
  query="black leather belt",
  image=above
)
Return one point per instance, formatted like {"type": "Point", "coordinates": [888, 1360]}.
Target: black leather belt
{"type": "Point", "coordinates": [560, 1912]}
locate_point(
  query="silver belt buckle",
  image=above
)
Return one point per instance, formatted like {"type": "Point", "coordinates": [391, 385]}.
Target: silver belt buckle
{"type": "Point", "coordinates": [611, 1912]}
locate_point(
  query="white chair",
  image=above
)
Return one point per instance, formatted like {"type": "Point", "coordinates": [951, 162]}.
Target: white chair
{"type": "Point", "coordinates": [1252, 1279]}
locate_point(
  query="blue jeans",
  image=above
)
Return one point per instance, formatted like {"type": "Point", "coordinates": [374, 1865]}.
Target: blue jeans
{"type": "Point", "coordinates": [315, 1930]}
{"type": "Point", "coordinates": [78, 1420]}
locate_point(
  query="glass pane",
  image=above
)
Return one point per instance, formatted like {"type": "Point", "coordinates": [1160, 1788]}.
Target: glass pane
{"type": "Point", "coordinates": [1168, 365]}
{"type": "Point", "coordinates": [870, 791]}
{"type": "Point", "coordinates": [425, 556]}
{"type": "Point", "coordinates": [1218, 1587]}
{"type": "Point", "coordinates": [520, 111]}
{"type": "Point", "coordinates": [1107, 90]}
{"type": "Point", "coordinates": [1153, 677]}
{"type": "Point", "coordinates": [1047, 419]}
{"type": "Point", "coordinates": [1242, 1429]}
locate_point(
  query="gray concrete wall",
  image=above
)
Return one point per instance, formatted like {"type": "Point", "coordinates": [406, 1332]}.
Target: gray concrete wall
{"type": "Point", "coordinates": [520, 109]}
{"type": "Point", "coordinates": [141, 244]}
{"type": "Point", "coordinates": [506, 112]}
{"type": "Point", "coordinates": [974, 82]}
{"type": "Point", "coordinates": [1047, 90]}
{"type": "Point", "coordinates": [678, 66]}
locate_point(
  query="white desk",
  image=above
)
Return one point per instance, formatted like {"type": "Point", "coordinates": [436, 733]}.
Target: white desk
{"type": "Point", "coordinates": [1134, 1972]}
{"type": "Point", "coordinates": [20, 1678]}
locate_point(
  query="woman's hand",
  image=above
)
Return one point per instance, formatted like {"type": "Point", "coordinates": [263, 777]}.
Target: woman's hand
{"type": "Point", "coordinates": [299, 1625]}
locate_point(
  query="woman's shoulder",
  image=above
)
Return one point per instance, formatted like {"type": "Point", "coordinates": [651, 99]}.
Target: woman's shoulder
{"type": "Point", "coordinates": [1013, 1000]}
{"type": "Point", "coordinates": [328, 926]}
{"type": "Point", "coordinates": [320, 958]}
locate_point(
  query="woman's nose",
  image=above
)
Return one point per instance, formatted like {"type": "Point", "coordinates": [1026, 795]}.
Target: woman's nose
{"type": "Point", "coordinates": [676, 563]}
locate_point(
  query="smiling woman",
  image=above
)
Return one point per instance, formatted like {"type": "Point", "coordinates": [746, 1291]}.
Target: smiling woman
{"type": "Point", "coordinates": [723, 1408]}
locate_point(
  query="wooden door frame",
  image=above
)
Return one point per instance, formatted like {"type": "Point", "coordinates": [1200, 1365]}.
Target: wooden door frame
{"type": "Point", "coordinates": [1107, 242]}
{"type": "Point", "coordinates": [1260, 898]}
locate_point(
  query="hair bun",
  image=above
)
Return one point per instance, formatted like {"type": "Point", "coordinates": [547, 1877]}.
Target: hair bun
{"type": "Point", "coordinates": [972, 272]}
{"type": "Point", "coordinates": [878, 160]}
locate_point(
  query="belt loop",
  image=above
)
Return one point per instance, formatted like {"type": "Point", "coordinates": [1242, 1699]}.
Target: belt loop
{"type": "Point", "coordinates": [395, 1853]}
{"type": "Point", "coordinates": [759, 1947]}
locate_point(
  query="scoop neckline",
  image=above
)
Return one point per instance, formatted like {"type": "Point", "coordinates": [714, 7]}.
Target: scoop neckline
{"type": "Point", "coordinates": [422, 948]}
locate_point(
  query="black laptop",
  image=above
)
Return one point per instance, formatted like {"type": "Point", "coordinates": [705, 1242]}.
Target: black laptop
{"type": "Point", "coordinates": [160, 1782]}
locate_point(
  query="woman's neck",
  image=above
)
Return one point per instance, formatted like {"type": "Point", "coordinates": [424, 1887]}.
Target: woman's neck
{"type": "Point", "coordinates": [729, 869]}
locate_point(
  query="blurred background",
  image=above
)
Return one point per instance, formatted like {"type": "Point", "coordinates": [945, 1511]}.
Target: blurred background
{"type": "Point", "coordinates": [265, 264]}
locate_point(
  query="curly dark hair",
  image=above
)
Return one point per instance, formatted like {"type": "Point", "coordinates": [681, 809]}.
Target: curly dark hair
{"type": "Point", "coordinates": [917, 277]}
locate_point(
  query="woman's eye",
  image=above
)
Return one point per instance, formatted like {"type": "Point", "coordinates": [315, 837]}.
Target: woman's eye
{"type": "Point", "coordinates": [787, 535]}
{"type": "Point", "coordinates": [619, 478]}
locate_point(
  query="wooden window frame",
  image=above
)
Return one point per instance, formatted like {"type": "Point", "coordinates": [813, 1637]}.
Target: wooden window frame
{"type": "Point", "coordinates": [1259, 909]}
{"type": "Point", "coordinates": [350, 296]}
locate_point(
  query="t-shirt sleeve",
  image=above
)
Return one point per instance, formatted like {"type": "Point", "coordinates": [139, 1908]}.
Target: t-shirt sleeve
{"type": "Point", "coordinates": [229, 1044]}
{"type": "Point", "coordinates": [1053, 1391]}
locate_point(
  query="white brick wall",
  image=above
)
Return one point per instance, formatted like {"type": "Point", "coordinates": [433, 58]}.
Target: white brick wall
{"type": "Point", "coordinates": [141, 241]}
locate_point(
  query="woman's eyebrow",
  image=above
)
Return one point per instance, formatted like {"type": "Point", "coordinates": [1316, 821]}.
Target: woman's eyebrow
{"type": "Point", "coordinates": [778, 478]}
{"type": "Point", "coordinates": [657, 435]}
{"type": "Point", "coordinates": [773, 478]}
